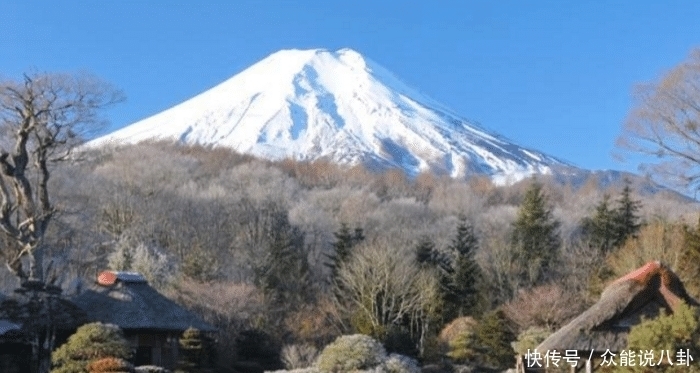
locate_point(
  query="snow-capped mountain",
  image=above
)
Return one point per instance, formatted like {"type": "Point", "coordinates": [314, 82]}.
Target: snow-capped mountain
{"type": "Point", "coordinates": [340, 106]}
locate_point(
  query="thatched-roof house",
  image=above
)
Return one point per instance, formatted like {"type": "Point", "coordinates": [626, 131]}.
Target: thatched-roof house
{"type": "Point", "coordinates": [152, 322]}
{"type": "Point", "coordinates": [33, 310]}
{"type": "Point", "coordinates": [643, 292]}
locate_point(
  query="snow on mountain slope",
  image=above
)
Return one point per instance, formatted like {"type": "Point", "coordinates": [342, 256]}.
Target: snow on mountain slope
{"type": "Point", "coordinates": [340, 106]}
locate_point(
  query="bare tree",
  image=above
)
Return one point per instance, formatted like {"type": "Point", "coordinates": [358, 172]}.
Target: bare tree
{"type": "Point", "coordinates": [42, 118]}
{"type": "Point", "coordinates": [665, 123]}
{"type": "Point", "coordinates": [382, 288]}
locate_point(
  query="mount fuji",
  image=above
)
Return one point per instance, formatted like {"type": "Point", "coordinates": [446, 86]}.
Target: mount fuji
{"type": "Point", "coordinates": [339, 106]}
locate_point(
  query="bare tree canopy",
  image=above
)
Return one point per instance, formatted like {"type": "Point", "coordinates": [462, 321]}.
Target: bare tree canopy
{"type": "Point", "coordinates": [665, 123]}
{"type": "Point", "coordinates": [42, 118]}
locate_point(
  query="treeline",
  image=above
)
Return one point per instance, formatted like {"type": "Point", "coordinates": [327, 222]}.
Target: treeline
{"type": "Point", "coordinates": [295, 254]}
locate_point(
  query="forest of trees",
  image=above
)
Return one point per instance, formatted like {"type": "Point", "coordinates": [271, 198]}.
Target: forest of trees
{"type": "Point", "coordinates": [296, 254]}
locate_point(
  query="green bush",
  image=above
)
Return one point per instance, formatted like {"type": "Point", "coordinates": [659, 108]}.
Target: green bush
{"type": "Point", "coordinates": [672, 333]}
{"type": "Point", "coordinates": [462, 342]}
{"type": "Point", "coordinates": [351, 352]}
{"type": "Point", "coordinates": [487, 345]}
{"type": "Point", "coordinates": [530, 338]}
{"type": "Point", "coordinates": [90, 342]}
{"type": "Point", "coordinates": [494, 336]}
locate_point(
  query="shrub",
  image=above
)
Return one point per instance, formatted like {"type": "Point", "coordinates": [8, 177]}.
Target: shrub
{"type": "Point", "coordinates": [488, 344]}
{"type": "Point", "coordinates": [396, 363]}
{"type": "Point", "coordinates": [315, 323]}
{"type": "Point", "coordinates": [304, 370]}
{"type": "Point", "coordinates": [299, 356]}
{"type": "Point", "coordinates": [456, 328]}
{"type": "Point", "coordinates": [150, 369]}
{"type": "Point", "coordinates": [110, 365]}
{"type": "Point", "coordinates": [530, 338]}
{"type": "Point", "coordinates": [463, 347]}
{"type": "Point", "coordinates": [90, 342]}
{"type": "Point", "coordinates": [351, 352]}
{"type": "Point", "coordinates": [679, 331]}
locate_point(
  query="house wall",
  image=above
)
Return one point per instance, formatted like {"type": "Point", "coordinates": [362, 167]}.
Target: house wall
{"type": "Point", "coordinates": [154, 348]}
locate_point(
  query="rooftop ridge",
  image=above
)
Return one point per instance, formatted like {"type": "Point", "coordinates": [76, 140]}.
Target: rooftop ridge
{"type": "Point", "coordinates": [110, 277]}
{"type": "Point", "coordinates": [643, 274]}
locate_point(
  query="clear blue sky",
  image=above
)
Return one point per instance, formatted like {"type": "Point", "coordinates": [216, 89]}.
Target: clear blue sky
{"type": "Point", "coordinates": [547, 75]}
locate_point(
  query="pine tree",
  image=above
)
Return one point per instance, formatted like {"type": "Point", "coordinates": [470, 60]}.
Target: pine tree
{"type": "Point", "coordinates": [426, 255]}
{"type": "Point", "coordinates": [465, 242]}
{"type": "Point", "coordinates": [535, 238]}
{"type": "Point", "coordinates": [626, 216]}
{"type": "Point", "coordinates": [465, 275]}
{"type": "Point", "coordinates": [283, 273]}
{"type": "Point", "coordinates": [90, 342]}
{"type": "Point", "coordinates": [678, 332]}
{"type": "Point", "coordinates": [494, 336]}
{"type": "Point", "coordinates": [600, 229]}
{"type": "Point", "coordinates": [342, 247]}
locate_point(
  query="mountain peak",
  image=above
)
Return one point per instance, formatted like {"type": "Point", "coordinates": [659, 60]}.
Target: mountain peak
{"type": "Point", "coordinates": [340, 106]}
{"type": "Point", "coordinates": [319, 56]}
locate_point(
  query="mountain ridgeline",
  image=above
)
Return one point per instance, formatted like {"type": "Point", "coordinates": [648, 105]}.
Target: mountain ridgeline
{"type": "Point", "coordinates": [342, 107]}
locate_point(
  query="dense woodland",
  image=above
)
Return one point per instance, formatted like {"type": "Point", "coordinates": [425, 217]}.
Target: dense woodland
{"type": "Point", "coordinates": [285, 253]}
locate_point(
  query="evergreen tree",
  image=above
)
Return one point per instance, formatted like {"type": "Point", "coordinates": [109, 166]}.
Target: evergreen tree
{"type": "Point", "coordinates": [359, 235]}
{"type": "Point", "coordinates": [90, 342]}
{"type": "Point", "coordinates": [488, 344]}
{"type": "Point", "coordinates": [462, 295]}
{"type": "Point", "coordinates": [283, 273]}
{"type": "Point", "coordinates": [676, 333]}
{"type": "Point", "coordinates": [196, 352]}
{"type": "Point", "coordinates": [535, 238]}
{"type": "Point", "coordinates": [465, 242]}
{"type": "Point", "coordinates": [345, 239]}
{"type": "Point", "coordinates": [600, 229]}
{"type": "Point", "coordinates": [494, 336]}
{"type": "Point", "coordinates": [626, 216]}
{"type": "Point", "coordinates": [426, 254]}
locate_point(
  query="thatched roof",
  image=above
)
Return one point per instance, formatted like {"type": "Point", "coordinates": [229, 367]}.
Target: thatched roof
{"type": "Point", "coordinates": [642, 292]}
{"type": "Point", "coordinates": [126, 299]}
{"type": "Point", "coordinates": [32, 308]}
{"type": "Point", "coordinates": [8, 326]}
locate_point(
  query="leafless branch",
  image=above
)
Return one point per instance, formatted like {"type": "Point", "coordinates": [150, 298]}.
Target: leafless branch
{"type": "Point", "coordinates": [41, 119]}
